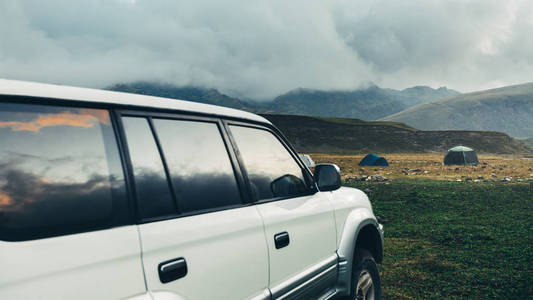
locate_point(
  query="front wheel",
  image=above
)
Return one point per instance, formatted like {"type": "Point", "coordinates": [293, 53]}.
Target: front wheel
{"type": "Point", "coordinates": [366, 284]}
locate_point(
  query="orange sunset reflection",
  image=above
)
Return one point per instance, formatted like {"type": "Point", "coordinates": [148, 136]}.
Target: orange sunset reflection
{"type": "Point", "coordinates": [83, 118]}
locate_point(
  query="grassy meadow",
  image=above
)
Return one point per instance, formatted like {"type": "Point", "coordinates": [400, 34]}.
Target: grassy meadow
{"type": "Point", "coordinates": [449, 239]}
{"type": "Point", "coordinates": [454, 239]}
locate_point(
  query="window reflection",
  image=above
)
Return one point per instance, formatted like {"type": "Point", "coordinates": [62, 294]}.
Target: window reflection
{"type": "Point", "coordinates": [59, 171]}
{"type": "Point", "coordinates": [85, 118]}
{"type": "Point", "coordinates": [198, 164]}
{"type": "Point", "coordinates": [272, 171]}
{"type": "Point", "coordinates": [153, 192]}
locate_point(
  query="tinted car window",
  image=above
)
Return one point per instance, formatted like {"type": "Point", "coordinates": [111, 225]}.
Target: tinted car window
{"type": "Point", "coordinates": [60, 171]}
{"type": "Point", "coordinates": [198, 163]}
{"type": "Point", "coordinates": [154, 197]}
{"type": "Point", "coordinates": [272, 171]}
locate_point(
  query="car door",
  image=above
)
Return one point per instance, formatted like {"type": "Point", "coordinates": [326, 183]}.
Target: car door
{"type": "Point", "coordinates": [199, 239]}
{"type": "Point", "coordinates": [299, 221]}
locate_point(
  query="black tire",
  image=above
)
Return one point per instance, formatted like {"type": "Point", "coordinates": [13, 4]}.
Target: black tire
{"type": "Point", "coordinates": [364, 269]}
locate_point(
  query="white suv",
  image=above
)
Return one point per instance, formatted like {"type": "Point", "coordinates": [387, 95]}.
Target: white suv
{"type": "Point", "coordinates": [107, 195]}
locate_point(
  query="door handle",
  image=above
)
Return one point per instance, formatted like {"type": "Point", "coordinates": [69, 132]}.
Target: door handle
{"type": "Point", "coordinates": [281, 239]}
{"type": "Point", "coordinates": [173, 269]}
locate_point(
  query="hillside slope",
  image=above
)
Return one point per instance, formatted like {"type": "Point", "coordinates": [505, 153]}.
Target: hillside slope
{"type": "Point", "coordinates": [508, 109]}
{"type": "Point", "coordinates": [527, 141]}
{"type": "Point", "coordinates": [343, 136]}
{"type": "Point", "coordinates": [368, 103]}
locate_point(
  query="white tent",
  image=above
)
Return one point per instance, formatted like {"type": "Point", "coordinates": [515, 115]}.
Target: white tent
{"type": "Point", "coordinates": [307, 160]}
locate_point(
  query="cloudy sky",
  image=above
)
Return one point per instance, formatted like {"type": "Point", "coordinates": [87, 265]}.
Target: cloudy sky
{"type": "Point", "coordinates": [260, 49]}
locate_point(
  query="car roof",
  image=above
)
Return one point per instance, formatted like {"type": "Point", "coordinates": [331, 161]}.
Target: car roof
{"type": "Point", "coordinates": [34, 89]}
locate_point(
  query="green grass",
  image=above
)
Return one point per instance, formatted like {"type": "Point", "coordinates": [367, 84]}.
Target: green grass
{"type": "Point", "coordinates": [455, 240]}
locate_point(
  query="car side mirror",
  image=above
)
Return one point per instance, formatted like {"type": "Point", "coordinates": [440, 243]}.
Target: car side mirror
{"type": "Point", "coordinates": [287, 185]}
{"type": "Point", "coordinates": [327, 177]}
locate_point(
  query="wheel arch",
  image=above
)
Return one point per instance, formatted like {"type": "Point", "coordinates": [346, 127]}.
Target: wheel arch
{"type": "Point", "coordinates": [361, 229]}
{"type": "Point", "coordinates": [369, 238]}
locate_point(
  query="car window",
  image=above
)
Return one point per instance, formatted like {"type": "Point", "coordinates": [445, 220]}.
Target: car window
{"type": "Point", "coordinates": [199, 166]}
{"type": "Point", "coordinates": [271, 170]}
{"type": "Point", "coordinates": [154, 197]}
{"type": "Point", "coordinates": [60, 171]}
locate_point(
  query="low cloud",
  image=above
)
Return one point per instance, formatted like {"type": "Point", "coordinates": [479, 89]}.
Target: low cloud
{"type": "Point", "coordinates": [260, 49]}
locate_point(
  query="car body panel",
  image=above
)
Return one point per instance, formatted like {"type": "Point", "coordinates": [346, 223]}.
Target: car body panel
{"type": "Point", "coordinates": [309, 220]}
{"type": "Point", "coordinates": [225, 253]}
{"type": "Point", "coordinates": [102, 264]}
{"type": "Point", "coordinates": [353, 211]}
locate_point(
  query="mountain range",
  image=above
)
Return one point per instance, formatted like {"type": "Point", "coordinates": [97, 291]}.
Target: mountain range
{"type": "Point", "coordinates": [368, 103]}
{"type": "Point", "coordinates": [508, 109]}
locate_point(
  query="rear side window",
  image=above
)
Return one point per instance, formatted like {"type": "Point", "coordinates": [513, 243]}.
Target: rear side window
{"type": "Point", "coordinates": [190, 166]}
{"type": "Point", "coordinates": [198, 163]}
{"type": "Point", "coordinates": [60, 172]}
{"type": "Point", "coordinates": [271, 170]}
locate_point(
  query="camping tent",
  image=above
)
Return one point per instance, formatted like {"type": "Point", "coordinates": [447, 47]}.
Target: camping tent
{"type": "Point", "coordinates": [460, 155]}
{"type": "Point", "coordinates": [307, 160]}
{"type": "Point", "coordinates": [374, 160]}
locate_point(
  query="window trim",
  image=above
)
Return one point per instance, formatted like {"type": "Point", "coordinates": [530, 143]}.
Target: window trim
{"type": "Point", "coordinates": [115, 123]}
{"type": "Point", "coordinates": [163, 158]}
{"type": "Point", "coordinates": [134, 196]}
{"type": "Point", "coordinates": [308, 177]}
{"type": "Point", "coordinates": [150, 115]}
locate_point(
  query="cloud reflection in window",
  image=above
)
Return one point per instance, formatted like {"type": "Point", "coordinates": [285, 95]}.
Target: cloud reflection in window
{"type": "Point", "coordinates": [198, 163]}
{"type": "Point", "coordinates": [267, 162]}
{"type": "Point", "coordinates": [79, 118]}
{"type": "Point", "coordinates": [59, 168]}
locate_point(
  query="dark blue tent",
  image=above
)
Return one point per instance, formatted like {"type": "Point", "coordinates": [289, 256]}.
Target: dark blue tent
{"type": "Point", "coordinates": [374, 160]}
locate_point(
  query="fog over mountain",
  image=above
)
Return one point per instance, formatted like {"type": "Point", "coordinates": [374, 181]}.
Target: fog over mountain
{"type": "Point", "coordinates": [261, 49]}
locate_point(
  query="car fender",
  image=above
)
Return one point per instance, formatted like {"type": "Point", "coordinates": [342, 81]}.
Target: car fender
{"type": "Point", "coordinates": [354, 222]}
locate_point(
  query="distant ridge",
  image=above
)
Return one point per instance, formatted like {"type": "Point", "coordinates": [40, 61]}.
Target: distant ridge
{"type": "Point", "coordinates": [508, 109]}
{"type": "Point", "coordinates": [420, 94]}
{"type": "Point", "coordinates": [351, 136]}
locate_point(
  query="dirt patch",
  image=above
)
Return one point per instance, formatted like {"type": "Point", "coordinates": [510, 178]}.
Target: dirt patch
{"type": "Point", "coordinates": [409, 165]}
